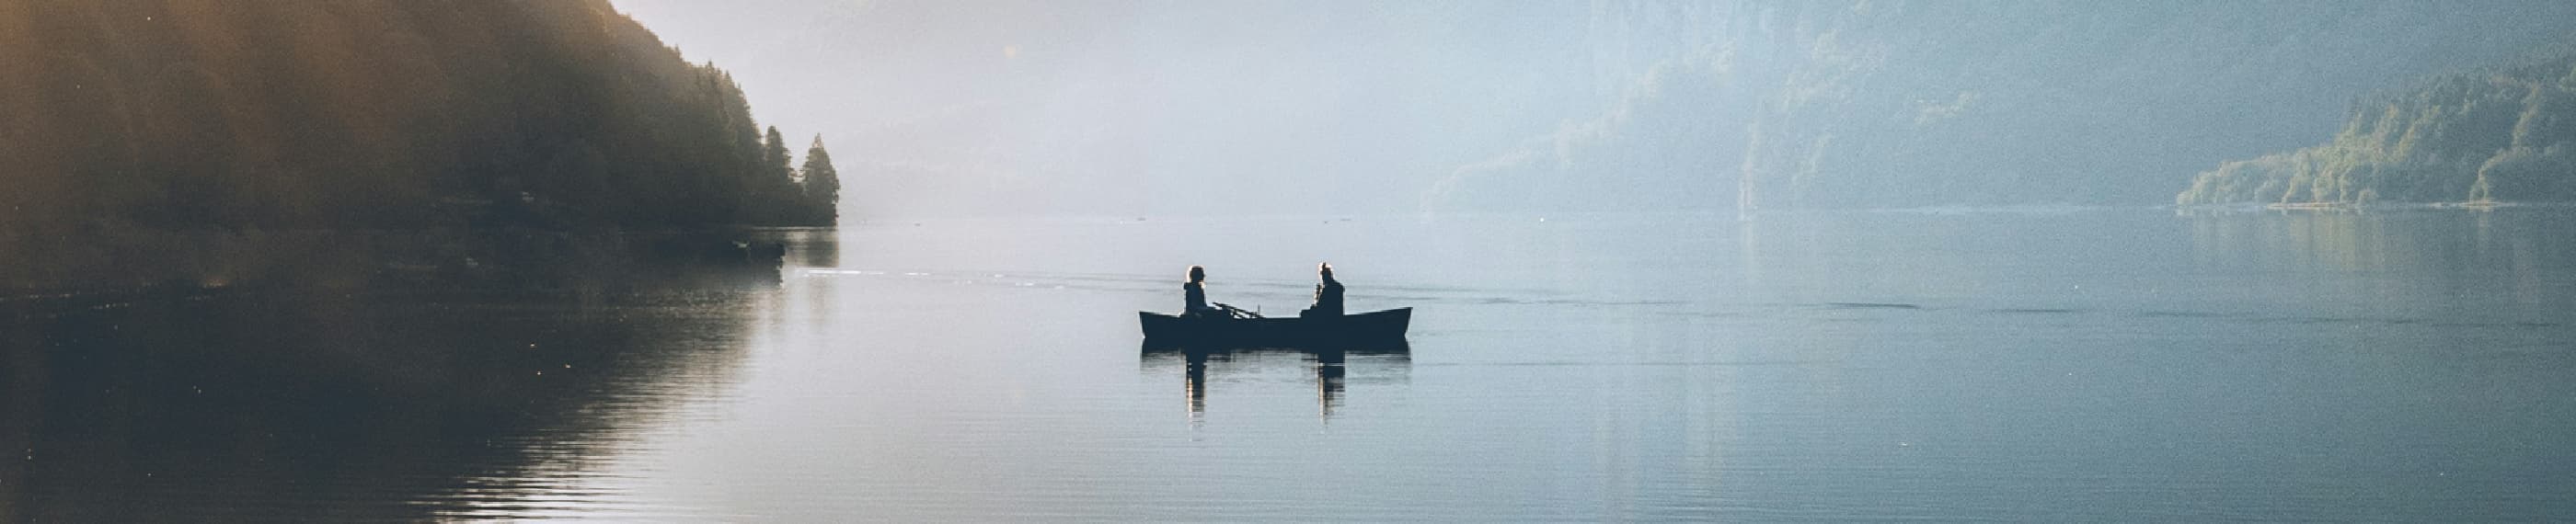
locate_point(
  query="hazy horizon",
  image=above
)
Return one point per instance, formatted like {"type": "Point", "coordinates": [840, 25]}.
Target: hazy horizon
{"type": "Point", "coordinates": [1331, 108]}
{"type": "Point", "coordinates": [1263, 260]}
{"type": "Point", "coordinates": [1139, 108]}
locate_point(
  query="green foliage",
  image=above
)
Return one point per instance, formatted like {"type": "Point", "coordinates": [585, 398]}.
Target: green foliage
{"type": "Point", "coordinates": [312, 113]}
{"type": "Point", "coordinates": [2506, 134]}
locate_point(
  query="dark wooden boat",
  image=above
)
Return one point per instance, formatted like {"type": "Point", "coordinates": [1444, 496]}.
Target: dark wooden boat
{"type": "Point", "coordinates": [1362, 330]}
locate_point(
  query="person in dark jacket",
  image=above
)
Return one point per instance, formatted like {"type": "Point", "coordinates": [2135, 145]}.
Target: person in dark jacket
{"type": "Point", "coordinates": [1194, 294]}
{"type": "Point", "coordinates": [1328, 295]}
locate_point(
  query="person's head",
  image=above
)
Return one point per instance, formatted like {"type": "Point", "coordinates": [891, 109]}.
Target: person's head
{"type": "Point", "coordinates": [1325, 269]}
{"type": "Point", "coordinates": [1198, 274]}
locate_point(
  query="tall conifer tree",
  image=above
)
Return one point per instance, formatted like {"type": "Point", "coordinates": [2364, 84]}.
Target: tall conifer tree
{"type": "Point", "coordinates": [822, 184]}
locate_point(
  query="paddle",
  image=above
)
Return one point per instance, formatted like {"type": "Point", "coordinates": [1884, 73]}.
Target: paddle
{"type": "Point", "coordinates": [1235, 312]}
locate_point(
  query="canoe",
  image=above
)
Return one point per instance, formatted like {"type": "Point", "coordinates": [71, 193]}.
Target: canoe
{"type": "Point", "coordinates": [1371, 329]}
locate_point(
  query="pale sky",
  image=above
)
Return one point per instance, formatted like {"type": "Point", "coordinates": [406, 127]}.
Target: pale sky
{"type": "Point", "coordinates": [1147, 107]}
{"type": "Point", "coordinates": [1236, 107]}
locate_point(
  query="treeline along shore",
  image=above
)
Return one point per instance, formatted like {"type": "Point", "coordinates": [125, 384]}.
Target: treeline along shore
{"type": "Point", "coordinates": [145, 140]}
{"type": "Point", "coordinates": [2497, 134]}
{"type": "Point", "coordinates": [380, 234]}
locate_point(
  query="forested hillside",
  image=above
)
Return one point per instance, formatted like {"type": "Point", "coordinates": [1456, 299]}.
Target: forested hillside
{"type": "Point", "coordinates": [2497, 134]}
{"type": "Point", "coordinates": [1802, 104]}
{"type": "Point", "coordinates": [378, 114]}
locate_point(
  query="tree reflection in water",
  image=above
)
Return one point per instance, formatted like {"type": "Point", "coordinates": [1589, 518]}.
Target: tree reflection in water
{"type": "Point", "coordinates": [380, 402]}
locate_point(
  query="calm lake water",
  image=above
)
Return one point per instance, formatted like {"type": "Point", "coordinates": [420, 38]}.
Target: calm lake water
{"type": "Point", "coordinates": [2031, 365]}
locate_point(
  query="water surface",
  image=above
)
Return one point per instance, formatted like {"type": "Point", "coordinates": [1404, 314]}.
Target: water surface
{"type": "Point", "coordinates": [2027, 365]}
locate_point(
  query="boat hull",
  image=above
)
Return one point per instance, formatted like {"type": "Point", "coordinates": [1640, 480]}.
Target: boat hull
{"type": "Point", "coordinates": [1355, 331]}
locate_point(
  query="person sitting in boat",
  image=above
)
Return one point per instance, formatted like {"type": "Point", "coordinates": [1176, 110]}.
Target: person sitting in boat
{"type": "Point", "coordinates": [1194, 294]}
{"type": "Point", "coordinates": [1328, 295]}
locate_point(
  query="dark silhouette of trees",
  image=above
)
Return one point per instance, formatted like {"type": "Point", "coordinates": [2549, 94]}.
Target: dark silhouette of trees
{"type": "Point", "coordinates": [377, 114]}
{"type": "Point", "coordinates": [776, 191]}
{"type": "Point", "coordinates": [773, 153]}
{"type": "Point", "coordinates": [822, 184]}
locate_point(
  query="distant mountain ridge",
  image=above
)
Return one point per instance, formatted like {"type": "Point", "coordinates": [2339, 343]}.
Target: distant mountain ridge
{"type": "Point", "coordinates": [377, 114]}
{"type": "Point", "coordinates": [1916, 103]}
{"type": "Point", "coordinates": [2497, 134]}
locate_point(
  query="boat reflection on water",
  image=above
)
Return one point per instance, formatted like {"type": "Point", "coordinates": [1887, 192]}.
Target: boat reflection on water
{"type": "Point", "coordinates": [1329, 367]}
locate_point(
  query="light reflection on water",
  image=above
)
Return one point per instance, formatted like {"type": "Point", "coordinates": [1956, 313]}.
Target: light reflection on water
{"type": "Point", "coordinates": [2081, 365]}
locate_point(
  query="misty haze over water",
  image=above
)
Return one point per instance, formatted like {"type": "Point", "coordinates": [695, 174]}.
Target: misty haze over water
{"type": "Point", "coordinates": [791, 260]}
{"type": "Point", "coordinates": [1213, 109]}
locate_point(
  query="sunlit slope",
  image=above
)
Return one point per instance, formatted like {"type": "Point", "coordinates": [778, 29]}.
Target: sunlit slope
{"type": "Point", "coordinates": [2497, 134]}
{"type": "Point", "coordinates": [295, 113]}
{"type": "Point", "coordinates": [1901, 104]}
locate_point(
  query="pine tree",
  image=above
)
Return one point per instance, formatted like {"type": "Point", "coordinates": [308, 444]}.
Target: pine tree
{"type": "Point", "coordinates": [773, 155]}
{"type": "Point", "coordinates": [822, 185]}
{"type": "Point", "coordinates": [774, 190]}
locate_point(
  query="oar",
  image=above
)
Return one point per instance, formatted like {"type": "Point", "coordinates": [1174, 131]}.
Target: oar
{"type": "Point", "coordinates": [1235, 311]}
